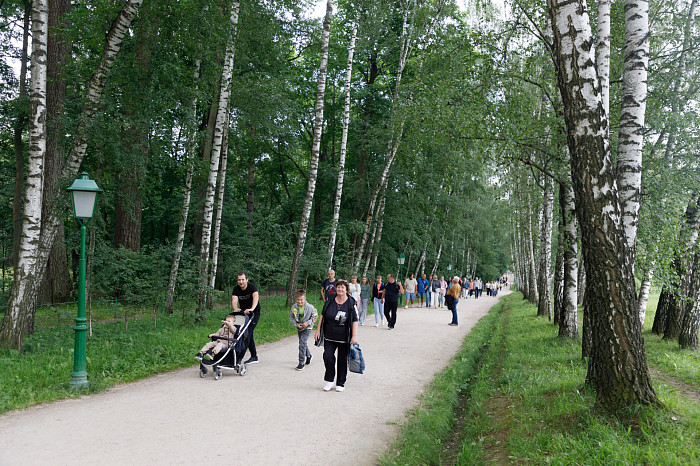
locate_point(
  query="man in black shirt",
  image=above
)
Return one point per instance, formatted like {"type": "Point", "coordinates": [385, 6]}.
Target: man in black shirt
{"type": "Point", "coordinates": [328, 286]}
{"type": "Point", "coordinates": [390, 296]}
{"type": "Point", "coordinates": [246, 296]}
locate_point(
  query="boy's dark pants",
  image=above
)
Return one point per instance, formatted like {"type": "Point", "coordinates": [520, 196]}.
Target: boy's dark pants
{"type": "Point", "coordinates": [303, 346]}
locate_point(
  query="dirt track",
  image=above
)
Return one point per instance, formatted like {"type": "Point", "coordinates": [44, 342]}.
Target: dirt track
{"type": "Point", "coordinates": [273, 415]}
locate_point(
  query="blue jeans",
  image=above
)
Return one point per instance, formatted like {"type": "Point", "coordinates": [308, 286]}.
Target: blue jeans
{"type": "Point", "coordinates": [363, 310]}
{"type": "Point", "coordinates": [378, 311]}
{"type": "Point", "coordinates": [441, 299]}
{"type": "Point", "coordinates": [454, 312]}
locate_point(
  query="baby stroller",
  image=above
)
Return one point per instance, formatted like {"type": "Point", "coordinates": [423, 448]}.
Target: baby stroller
{"type": "Point", "coordinates": [231, 359]}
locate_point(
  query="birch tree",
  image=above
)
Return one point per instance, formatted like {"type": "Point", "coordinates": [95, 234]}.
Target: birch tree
{"type": "Point", "coordinates": [221, 190]}
{"type": "Point", "coordinates": [568, 324]}
{"type": "Point", "coordinates": [23, 298]}
{"type": "Point", "coordinates": [12, 332]}
{"type": "Point", "coordinates": [617, 366]}
{"type": "Point", "coordinates": [343, 144]}
{"type": "Point", "coordinates": [219, 130]}
{"type": "Point", "coordinates": [180, 241]}
{"type": "Point", "coordinates": [544, 303]}
{"type": "Point", "coordinates": [315, 151]}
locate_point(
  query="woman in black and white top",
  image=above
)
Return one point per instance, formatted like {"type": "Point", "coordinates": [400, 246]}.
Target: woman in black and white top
{"type": "Point", "coordinates": [338, 322]}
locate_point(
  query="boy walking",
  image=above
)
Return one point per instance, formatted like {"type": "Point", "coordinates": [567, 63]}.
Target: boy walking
{"type": "Point", "coordinates": [303, 316]}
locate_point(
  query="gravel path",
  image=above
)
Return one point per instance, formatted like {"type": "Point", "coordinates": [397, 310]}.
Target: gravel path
{"type": "Point", "coordinates": [273, 415]}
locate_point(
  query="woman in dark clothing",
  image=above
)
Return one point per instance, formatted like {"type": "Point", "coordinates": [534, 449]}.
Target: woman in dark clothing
{"type": "Point", "coordinates": [338, 322]}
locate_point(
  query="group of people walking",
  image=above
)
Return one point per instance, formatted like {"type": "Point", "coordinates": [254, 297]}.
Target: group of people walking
{"type": "Point", "coordinates": [345, 307]}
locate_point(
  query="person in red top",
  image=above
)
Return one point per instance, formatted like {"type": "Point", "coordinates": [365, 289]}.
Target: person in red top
{"type": "Point", "coordinates": [377, 293]}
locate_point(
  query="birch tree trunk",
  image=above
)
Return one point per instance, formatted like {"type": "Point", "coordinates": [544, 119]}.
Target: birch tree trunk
{"type": "Point", "coordinates": [631, 132]}
{"type": "Point", "coordinates": [568, 325]}
{"type": "Point", "coordinates": [189, 153]}
{"type": "Point", "coordinates": [644, 290]}
{"type": "Point", "coordinates": [219, 129]}
{"type": "Point", "coordinates": [375, 254]}
{"type": "Point", "coordinates": [343, 144]}
{"type": "Point", "coordinates": [13, 325]}
{"type": "Point", "coordinates": [315, 151]}
{"type": "Point", "coordinates": [581, 280]}
{"type": "Point", "coordinates": [558, 281]}
{"type": "Point", "coordinates": [56, 286]}
{"type": "Point", "coordinates": [682, 263]}
{"type": "Point", "coordinates": [603, 52]}
{"type": "Point", "coordinates": [617, 365]}
{"type": "Point", "coordinates": [688, 337]}
{"type": "Point", "coordinates": [19, 141]}
{"type": "Point", "coordinates": [532, 295]}
{"type": "Point", "coordinates": [437, 259]}
{"type": "Point", "coordinates": [219, 206]}
{"type": "Point", "coordinates": [25, 297]}
{"type": "Point", "coordinates": [544, 303]}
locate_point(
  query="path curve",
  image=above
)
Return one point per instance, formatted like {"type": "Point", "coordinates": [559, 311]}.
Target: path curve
{"type": "Point", "coordinates": [178, 418]}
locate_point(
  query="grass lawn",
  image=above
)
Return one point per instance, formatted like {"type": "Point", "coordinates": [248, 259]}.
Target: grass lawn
{"type": "Point", "coordinates": [515, 393]}
{"type": "Point", "coordinates": [117, 351]}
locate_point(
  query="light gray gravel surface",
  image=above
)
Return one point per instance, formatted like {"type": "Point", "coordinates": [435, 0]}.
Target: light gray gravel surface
{"type": "Point", "coordinates": [274, 415]}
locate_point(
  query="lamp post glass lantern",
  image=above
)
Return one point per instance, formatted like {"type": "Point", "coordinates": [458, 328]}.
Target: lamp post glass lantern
{"type": "Point", "coordinates": [84, 194]}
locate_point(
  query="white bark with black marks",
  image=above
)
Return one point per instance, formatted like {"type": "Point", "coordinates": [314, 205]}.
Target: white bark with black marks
{"type": "Point", "coordinates": [21, 300]}
{"type": "Point", "coordinates": [315, 152]}
{"type": "Point", "coordinates": [219, 130]}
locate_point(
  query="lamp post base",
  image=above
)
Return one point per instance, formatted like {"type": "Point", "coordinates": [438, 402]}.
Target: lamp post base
{"type": "Point", "coordinates": [78, 380]}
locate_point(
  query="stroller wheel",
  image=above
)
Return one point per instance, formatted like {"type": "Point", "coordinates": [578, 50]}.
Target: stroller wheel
{"type": "Point", "coordinates": [202, 371]}
{"type": "Point", "coordinates": [242, 370]}
{"type": "Point", "coordinates": [217, 374]}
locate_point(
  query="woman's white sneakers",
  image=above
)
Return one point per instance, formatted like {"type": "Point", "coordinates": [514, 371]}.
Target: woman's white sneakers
{"type": "Point", "coordinates": [339, 388]}
{"type": "Point", "coordinates": [328, 387]}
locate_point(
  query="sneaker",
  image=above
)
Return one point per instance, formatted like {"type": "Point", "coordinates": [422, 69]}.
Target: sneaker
{"type": "Point", "coordinates": [208, 357]}
{"type": "Point", "coordinates": [198, 356]}
{"type": "Point", "coordinates": [328, 387]}
{"type": "Point", "coordinates": [252, 360]}
{"type": "Point", "coordinates": [452, 325]}
{"type": "Point", "coordinates": [391, 328]}
{"type": "Point", "coordinates": [406, 306]}
{"type": "Point", "coordinates": [300, 367]}
{"type": "Point", "coordinates": [340, 388]}
{"type": "Point", "coordinates": [377, 324]}
{"type": "Point", "coordinates": [308, 360]}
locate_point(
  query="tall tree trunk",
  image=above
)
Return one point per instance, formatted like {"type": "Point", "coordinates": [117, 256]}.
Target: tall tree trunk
{"type": "Point", "coordinates": [57, 284]}
{"type": "Point", "coordinates": [644, 290]}
{"type": "Point", "coordinates": [437, 259]}
{"type": "Point", "coordinates": [219, 206]}
{"type": "Point", "coordinates": [603, 52]}
{"type": "Point", "coordinates": [18, 141]}
{"type": "Point", "coordinates": [544, 303]}
{"type": "Point", "coordinates": [568, 326]}
{"type": "Point", "coordinates": [219, 130]}
{"type": "Point", "coordinates": [558, 281]}
{"type": "Point", "coordinates": [377, 245]}
{"type": "Point", "coordinates": [581, 282]}
{"type": "Point", "coordinates": [632, 115]}
{"type": "Point", "coordinates": [189, 154]}
{"type": "Point", "coordinates": [682, 265]}
{"type": "Point", "coordinates": [25, 295]}
{"type": "Point", "coordinates": [532, 295]}
{"type": "Point", "coordinates": [18, 308]}
{"type": "Point", "coordinates": [315, 151]}
{"type": "Point", "coordinates": [688, 336]}
{"type": "Point", "coordinates": [662, 306]}
{"type": "Point", "coordinates": [617, 365]}
{"type": "Point", "coordinates": [343, 143]}
{"type": "Point", "coordinates": [201, 192]}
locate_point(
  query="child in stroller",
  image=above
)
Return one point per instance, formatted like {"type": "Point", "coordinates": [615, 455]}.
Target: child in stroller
{"type": "Point", "coordinates": [226, 349]}
{"type": "Point", "coordinates": [228, 329]}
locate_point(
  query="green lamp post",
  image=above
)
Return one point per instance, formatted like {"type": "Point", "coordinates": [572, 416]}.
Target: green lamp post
{"type": "Point", "coordinates": [84, 193]}
{"type": "Point", "coordinates": [401, 259]}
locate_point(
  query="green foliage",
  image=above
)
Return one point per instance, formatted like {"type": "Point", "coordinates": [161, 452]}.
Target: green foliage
{"type": "Point", "coordinates": [114, 354]}
{"type": "Point", "coordinates": [525, 403]}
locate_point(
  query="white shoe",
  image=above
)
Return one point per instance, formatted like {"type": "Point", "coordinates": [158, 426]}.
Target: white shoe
{"type": "Point", "coordinates": [377, 324]}
{"type": "Point", "coordinates": [328, 387]}
{"type": "Point", "coordinates": [405, 307]}
{"type": "Point", "coordinates": [339, 388]}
